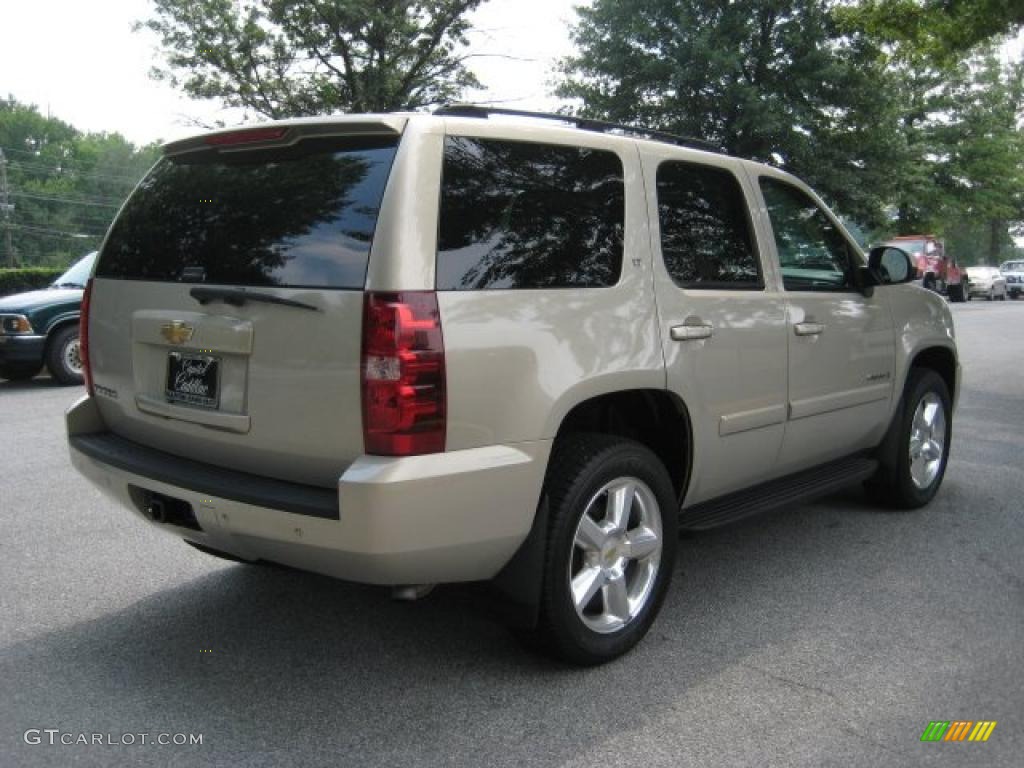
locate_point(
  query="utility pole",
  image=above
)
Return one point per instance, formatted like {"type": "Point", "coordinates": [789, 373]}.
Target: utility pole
{"type": "Point", "coordinates": [6, 209]}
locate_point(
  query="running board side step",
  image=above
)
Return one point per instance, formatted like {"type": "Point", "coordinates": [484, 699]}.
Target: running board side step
{"type": "Point", "coordinates": [797, 488]}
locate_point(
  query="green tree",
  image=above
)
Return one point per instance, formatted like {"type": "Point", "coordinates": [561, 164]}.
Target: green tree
{"type": "Point", "coordinates": [66, 186]}
{"type": "Point", "coordinates": [764, 79]}
{"type": "Point", "coordinates": [286, 58]}
{"type": "Point", "coordinates": [983, 163]}
{"type": "Point", "coordinates": [942, 31]}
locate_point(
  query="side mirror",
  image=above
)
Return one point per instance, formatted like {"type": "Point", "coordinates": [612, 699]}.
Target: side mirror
{"type": "Point", "coordinates": [891, 266]}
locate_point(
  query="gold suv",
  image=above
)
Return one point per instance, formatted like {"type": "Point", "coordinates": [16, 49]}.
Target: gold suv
{"type": "Point", "coordinates": [413, 349]}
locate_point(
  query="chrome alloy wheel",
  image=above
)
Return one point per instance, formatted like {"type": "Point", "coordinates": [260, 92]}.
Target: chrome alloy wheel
{"type": "Point", "coordinates": [616, 555]}
{"type": "Point", "coordinates": [73, 357]}
{"type": "Point", "coordinates": [927, 440]}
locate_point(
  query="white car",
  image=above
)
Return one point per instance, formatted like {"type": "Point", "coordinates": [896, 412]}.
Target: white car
{"type": "Point", "coordinates": [1013, 273]}
{"type": "Point", "coordinates": [987, 282]}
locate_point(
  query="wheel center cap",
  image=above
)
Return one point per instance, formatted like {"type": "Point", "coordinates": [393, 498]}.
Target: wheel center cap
{"type": "Point", "coordinates": [611, 553]}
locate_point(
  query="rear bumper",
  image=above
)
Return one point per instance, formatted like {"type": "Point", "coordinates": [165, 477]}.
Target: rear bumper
{"type": "Point", "coordinates": [21, 349]}
{"type": "Point", "coordinates": [980, 289]}
{"type": "Point", "coordinates": [456, 516]}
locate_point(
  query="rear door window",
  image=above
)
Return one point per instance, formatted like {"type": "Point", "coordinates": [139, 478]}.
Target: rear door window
{"type": "Point", "coordinates": [296, 216]}
{"type": "Point", "coordinates": [526, 215]}
{"type": "Point", "coordinates": [706, 237]}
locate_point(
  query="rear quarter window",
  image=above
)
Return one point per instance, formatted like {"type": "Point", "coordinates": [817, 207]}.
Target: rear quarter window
{"type": "Point", "coordinates": [528, 215]}
{"type": "Point", "coordinates": [297, 216]}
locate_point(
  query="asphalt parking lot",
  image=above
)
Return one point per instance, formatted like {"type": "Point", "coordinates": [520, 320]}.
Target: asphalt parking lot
{"type": "Point", "coordinates": [829, 634]}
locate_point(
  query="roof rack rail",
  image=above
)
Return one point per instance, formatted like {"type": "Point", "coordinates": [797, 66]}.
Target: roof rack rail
{"type": "Point", "coordinates": [583, 123]}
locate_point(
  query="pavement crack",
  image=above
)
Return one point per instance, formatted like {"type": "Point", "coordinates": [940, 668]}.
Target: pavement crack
{"type": "Point", "coordinates": [790, 682]}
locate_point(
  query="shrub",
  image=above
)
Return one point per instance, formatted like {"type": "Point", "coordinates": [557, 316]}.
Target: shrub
{"type": "Point", "coordinates": [21, 279]}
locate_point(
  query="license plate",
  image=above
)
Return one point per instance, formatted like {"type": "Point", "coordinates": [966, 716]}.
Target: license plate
{"type": "Point", "coordinates": [192, 379]}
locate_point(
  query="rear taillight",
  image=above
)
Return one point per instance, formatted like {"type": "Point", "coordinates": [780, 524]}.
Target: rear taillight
{"type": "Point", "coordinates": [83, 336]}
{"type": "Point", "coordinates": [403, 374]}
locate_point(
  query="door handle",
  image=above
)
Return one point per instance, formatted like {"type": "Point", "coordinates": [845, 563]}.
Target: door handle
{"type": "Point", "coordinates": [808, 329]}
{"type": "Point", "coordinates": [690, 331]}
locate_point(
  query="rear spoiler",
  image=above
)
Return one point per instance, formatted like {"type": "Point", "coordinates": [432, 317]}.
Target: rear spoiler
{"type": "Point", "coordinates": [286, 132]}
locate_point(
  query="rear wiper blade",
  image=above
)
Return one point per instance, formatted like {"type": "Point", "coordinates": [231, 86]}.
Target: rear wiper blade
{"type": "Point", "coordinates": [237, 298]}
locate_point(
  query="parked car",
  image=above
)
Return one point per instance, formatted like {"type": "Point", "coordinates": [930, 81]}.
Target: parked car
{"type": "Point", "coordinates": [1013, 272]}
{"type": "Point", "coordinates": [986, 281]}
{"type": "Point", "coordinates": [936, 270]}
{"type": "Point", "coordinates": [41, 327]}
{"type": "Point", "coordinates": [473, 348]}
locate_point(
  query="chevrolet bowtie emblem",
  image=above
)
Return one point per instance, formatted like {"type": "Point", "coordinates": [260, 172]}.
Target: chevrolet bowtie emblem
{"type": "Point", "coordinates": [177, 332]}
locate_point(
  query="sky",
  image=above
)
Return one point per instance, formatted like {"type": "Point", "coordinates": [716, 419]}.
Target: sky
{"type": "Point", "coordinates": [92, 69]}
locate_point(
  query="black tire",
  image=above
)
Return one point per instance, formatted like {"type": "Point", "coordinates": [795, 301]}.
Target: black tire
{"type": "Point", "coordinates": [894, 485]}
{"type": "Point", "coordinates": [580, 468]}
{"type": "Point", "coordinates": [19, 371]}
{"type": "Point", "coordinates": [61, 351]}
{"type": "Point", "coordinates": [928, 282]}
{"type": "Point", "coordinates": [956, 293]}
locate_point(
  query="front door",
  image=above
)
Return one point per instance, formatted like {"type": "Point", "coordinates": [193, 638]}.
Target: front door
{"type": "Point", "coordinates": [841, 349]}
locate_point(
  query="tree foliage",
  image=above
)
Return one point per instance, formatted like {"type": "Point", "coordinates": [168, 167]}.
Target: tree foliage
{"type": "Point", "coordinates": [65, 185]}
{"type": "Point", "coordinates": [982, 172]}
{"type": "Point", "coordinates": [941, 31]}
{"type": "Point", "coordinates": [286, 58]}
{"type": "Point", "coordinates": [900, 144]}
{"type": "Point", "coordinates": [763, 79]}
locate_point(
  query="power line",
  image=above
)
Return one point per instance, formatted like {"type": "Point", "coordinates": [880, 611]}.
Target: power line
{"type": "Point", "coordinates": [61, 232]}
{"type": "Point", "coordinates": [67, 200]}
{"type": "Point", "coordinates": [38, 159]}
{"type": "Point", "coordinates": [126, 181]}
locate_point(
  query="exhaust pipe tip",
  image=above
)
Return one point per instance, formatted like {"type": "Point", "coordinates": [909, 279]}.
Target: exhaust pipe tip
{"type": "Point", "coordinates": [407, 593]}
{"type": "Point", "coordinates": [156, 511]}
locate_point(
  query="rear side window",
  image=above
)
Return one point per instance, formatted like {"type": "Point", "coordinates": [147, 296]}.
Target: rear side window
{"type": "Point", "coordinates": [297, 216]}
{"type": "Point", "coordinates": [706, 240]}
{"type": "Point", "coordinates": [525, 215]}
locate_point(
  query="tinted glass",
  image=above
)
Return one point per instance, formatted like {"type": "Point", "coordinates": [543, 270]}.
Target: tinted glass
{"type": "Point", "coordinates": [705, 228]}
{"type": "Point", "coordinates": [813, 255]}
{"type": "Point", "coordinates": [302, 215]}
{"type": "Point", "coordinates": [522, 215]}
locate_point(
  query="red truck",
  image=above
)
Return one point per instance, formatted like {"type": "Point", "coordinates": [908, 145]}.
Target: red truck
{"type": "Point", "coordinates": [937, 271]}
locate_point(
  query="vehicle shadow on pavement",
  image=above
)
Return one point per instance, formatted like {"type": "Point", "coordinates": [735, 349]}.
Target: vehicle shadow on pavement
{"type": "Point", "coordinates": [39, 382]}
{"type": "Point", "coordinates": [300, 669]}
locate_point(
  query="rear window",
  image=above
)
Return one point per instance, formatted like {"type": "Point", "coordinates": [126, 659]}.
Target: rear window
{"type": "Point", "coordinates": [526, 215]}
{"type": "Point", "coordinates": [297, 216]}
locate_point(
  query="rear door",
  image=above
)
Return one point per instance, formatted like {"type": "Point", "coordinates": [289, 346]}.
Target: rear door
{"type": "Point", "coordinates": [722, 320]}
{"type": "Point", "coordinates": [227, 299]}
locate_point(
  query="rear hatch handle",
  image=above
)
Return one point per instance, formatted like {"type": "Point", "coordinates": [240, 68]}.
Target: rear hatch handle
{"type": "Point", "coordinates": [237, 298]}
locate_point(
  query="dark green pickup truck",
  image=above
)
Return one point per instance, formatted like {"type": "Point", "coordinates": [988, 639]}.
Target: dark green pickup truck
{"type": "Point", "coordinates": [42, 327]}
